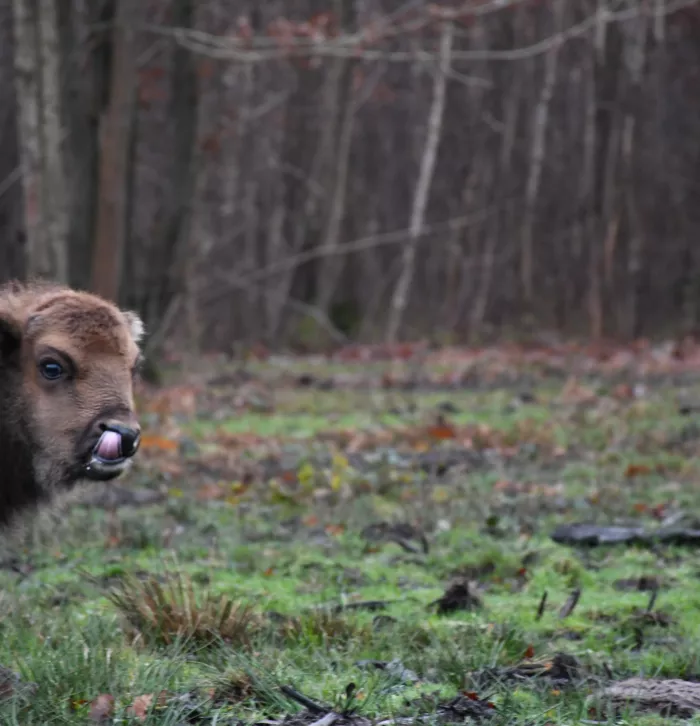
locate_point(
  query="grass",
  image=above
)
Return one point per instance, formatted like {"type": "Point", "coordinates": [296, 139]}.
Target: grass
{"type": "Point", "coordinates": [255, 572]}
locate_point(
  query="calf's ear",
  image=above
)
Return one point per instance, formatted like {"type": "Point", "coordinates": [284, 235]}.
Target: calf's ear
{"type": "Point", "coordinates": [10, 337]}
{"type": "Point", "coordinates": [136, 326]}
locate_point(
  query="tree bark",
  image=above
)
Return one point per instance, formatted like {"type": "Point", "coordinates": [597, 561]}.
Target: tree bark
{"type": "Point", "coordinates": [399, 299]}
{"type": "Point", "coordinates": [115, 133]}
{"type": "Point", "coordinates": [37, 72]}
{"type": "Point", "coordinates": [176, 208]}
{"type": "Point", "coordinates": [537, 157]}
{"type": "Point", "coordinates": [12, 236]}
{"type": "Point", "coordinates": [341, 115]}
{"type": "Point", "coordinates": [85, 78]}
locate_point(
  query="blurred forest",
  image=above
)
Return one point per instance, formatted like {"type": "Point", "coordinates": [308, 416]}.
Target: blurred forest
{"type": "Point", "coordinates": [305, 172]}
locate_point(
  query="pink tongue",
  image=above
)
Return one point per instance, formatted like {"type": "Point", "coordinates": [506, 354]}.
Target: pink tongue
{"type": "Point", "coordinates": [109, 446]}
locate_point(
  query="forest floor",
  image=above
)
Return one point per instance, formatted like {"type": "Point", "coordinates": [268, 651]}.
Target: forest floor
{"type": "Point", "coordinates": [383, 537]}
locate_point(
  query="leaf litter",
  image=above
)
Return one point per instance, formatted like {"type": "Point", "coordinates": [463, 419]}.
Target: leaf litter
{"type": "Point", "coordinates": [507, 466]}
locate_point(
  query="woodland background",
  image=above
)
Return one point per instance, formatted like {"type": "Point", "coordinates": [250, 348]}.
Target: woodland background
{"type": "Point", "coordinates": [311, 171]}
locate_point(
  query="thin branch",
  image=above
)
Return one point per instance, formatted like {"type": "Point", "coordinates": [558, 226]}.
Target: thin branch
{"type": "Point", "coordinates": [263, 49]}
{"type": "Point", "coordinates": [314, 312]}
{"type": "Point", "coordinates": [365, 243]}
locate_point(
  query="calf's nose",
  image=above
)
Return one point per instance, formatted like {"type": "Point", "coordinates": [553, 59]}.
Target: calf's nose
{"type": "Point", "coordinates": [130, 437]}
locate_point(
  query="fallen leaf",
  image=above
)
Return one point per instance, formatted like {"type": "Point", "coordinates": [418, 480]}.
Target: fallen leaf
{"type": "Point", "coordinates": [529, 652]}
{"type": "Point", "coordinates": [153, 441]}
{"type": "Point", "coordinates": [442, 431]}
{"type": "Point", "coordinates": [142, 704]}
{"type": "Point", "coordinates": [102, 708]}
{"type": "Point", "coordinates": [139, 708]}
{"type": "Point", "coordinates": [574, 393]}
{"type": "Point", "coordinates": [659, 511]}
{"type": "Point", "coordinates": [636, 470]}
{"type": "Point", "coordinates": [208, 492]}
{"type": "Point", "coordinates": [503, 485]}
{"type": "Point", "coordinates": [623, 392]}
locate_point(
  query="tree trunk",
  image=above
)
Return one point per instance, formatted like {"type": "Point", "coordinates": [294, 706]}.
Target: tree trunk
{"type": "Point", "coordinates": [635, 57]}
{"type": "Point", "coordinates": [37, 69]}
{"type": "Point", "coordinates": [341, 115]}
{"type": "Point", "coordinates": [115, 133]}
{"type": "Point", "coordinates": [177, 204]}
{"type": "Point", "coordinates": [12, 255]}
{"type": "Point", "coordinates": [84, 81]}
{"type": "Point", "coordinates": [425, 176]}
{"type": "Point", "coordinates": [537, 156]}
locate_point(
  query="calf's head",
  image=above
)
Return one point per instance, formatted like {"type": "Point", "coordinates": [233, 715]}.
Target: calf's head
{"type": "Point", "coordinates": [69, 359]}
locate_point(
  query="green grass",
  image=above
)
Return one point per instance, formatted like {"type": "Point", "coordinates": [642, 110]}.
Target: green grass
{"type": "Point", "coordinates": [291, 544]}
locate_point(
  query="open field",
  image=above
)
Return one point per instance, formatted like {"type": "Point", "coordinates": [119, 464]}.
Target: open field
{"type": "Point", "coordinates": [335, 541]}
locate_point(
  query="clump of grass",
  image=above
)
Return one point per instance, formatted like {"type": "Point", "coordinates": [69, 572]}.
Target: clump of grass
{"type": "Point", "coordinates": [233, 686]}
{"type": "Point", "coordinates": [165, 614]}
{"type": "Point", "coordinates": [327, 627]}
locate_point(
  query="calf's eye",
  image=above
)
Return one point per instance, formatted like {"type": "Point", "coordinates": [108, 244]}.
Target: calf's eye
{"type": "Point", "coordinates": [51, 370]}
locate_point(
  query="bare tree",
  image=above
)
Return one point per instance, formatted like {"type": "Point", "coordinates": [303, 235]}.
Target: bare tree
{"type": "Point", "coordinates": [12, 256]}
{"type": "Point", "coordinates": [115, 135]}
{"type": "Point", "coordinates": [342, 115]}
{"type": "Point", "coordinates": [537, 156]}
{"type": "Point", "coordinates": [425, 177]}
{"type": "Point", "coordinates": [37, 64]}
{"type": "Point", "coordinates": [169, 250]}
{"type": "Point", "coordinates": [332, 184]}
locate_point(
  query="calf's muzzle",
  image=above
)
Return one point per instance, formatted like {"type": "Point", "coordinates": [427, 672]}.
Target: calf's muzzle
{"type": "Point", "coordinates": [117, 444]}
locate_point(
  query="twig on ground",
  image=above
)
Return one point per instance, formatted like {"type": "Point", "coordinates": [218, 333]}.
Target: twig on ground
{"type": "Point", "coordinates": [652, 599]}
{"type": "Point", "coordinates": [570, 604]}
{"type": "Point", "coordinates": [303, 700]}
{"type": "Point", "coordinates": [540, 609]}
{"type": "Point", "coordinates": [328, 720]}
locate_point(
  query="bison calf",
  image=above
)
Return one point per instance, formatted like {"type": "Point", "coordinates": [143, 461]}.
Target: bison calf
{"type": "Point", "coordinates": [67, 362]}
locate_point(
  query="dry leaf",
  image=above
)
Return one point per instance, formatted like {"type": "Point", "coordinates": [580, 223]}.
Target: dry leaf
{"type": "Point", "coordinates": [140, 707]}
{"type": "Point", "coordinates": [574, 392]}
{"type": "Point", "coordinates": [636, 470]}
{"type": "Point", "coordinates": [153, 441]}
{"type": "Point", "coordinates": [442, 431]}
{"type": "Point", "coordinates": [209, 492]}
{"type": "Point", "coordinates": [102, 708]}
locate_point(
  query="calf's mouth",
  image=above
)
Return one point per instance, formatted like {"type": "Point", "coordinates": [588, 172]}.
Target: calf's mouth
{"type": "Point", "coordinates": [111, 455]}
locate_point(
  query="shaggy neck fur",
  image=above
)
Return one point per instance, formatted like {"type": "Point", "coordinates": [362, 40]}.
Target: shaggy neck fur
{"type": "Point", "coordinates": [20, 490]}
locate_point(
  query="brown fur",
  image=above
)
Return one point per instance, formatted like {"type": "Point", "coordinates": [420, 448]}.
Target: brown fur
{"type": "Point", "coordinates": [47, 428]}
